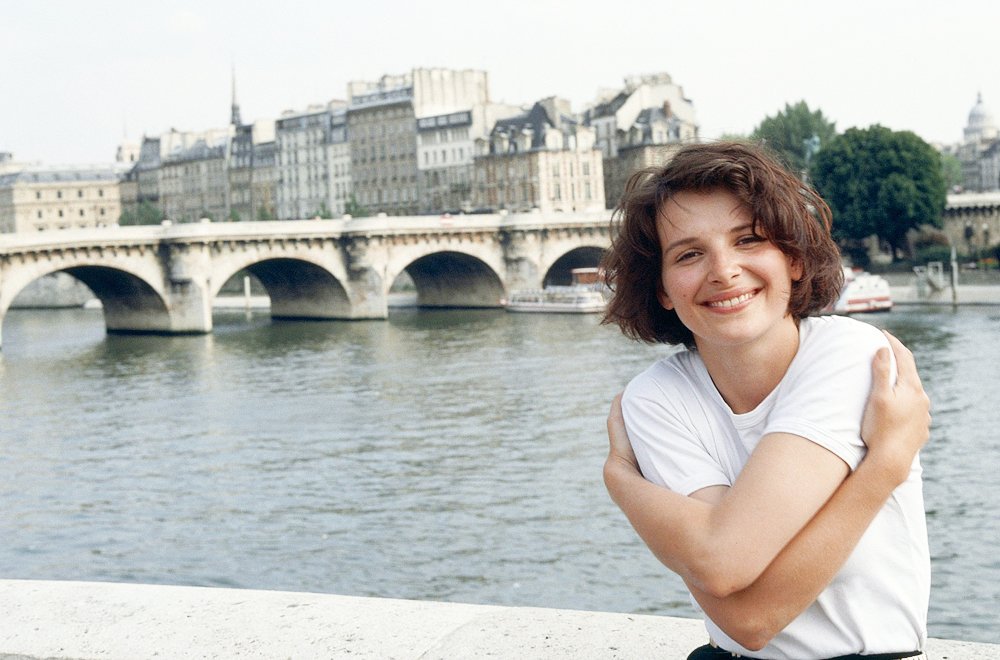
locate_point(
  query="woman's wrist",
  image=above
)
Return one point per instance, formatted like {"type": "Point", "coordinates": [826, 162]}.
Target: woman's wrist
{"type": "Point", "coordinates": [889, 463]}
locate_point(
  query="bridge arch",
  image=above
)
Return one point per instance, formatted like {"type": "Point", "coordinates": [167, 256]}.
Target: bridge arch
{"type": "Point", "coordinates": [298, 288]}
{"type": "Point", "coordinates": [453, 279]}
{"type": "Point", "coordinates": [131, 304]}
{"type": "Point", "coordinates": [559, 271]}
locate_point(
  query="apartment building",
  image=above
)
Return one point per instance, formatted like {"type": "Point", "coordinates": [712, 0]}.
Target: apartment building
{"type": "Point", "coordinates": [544, 159]}
{"type": "Point", "coordinates": [384, 121]}
{"type": "Point", "coordinates": [253, 173]}
{"type": "Point", "coordinates": [446, 150]}
{"type": "Point", "coordinates": [194, 181]}
{"type": "Point", "coordinates": [309, 147]}
{"type": "Point", "coordinates": [639, 124]}
{"type": "Point", "coordinates": [39, 198]}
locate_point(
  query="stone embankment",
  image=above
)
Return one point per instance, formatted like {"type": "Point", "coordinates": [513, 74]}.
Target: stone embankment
{"type": "Point", "coordinates": [43, 619]}
{"type": "Point", "coordinates": [973, 289]}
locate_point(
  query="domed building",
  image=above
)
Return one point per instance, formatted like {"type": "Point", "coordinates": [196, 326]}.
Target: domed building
{"type": "Point", "coordinates": [980, 151]}
{"type": "Point", "coordinates": [981, 127]}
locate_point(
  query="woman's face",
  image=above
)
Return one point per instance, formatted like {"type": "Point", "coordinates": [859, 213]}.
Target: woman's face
{"type": "Point", "coordinates": [729, 286]}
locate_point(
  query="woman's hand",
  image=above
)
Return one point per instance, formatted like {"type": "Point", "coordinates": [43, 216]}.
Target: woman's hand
{"type": "Point", "coordinates": [897, 418]}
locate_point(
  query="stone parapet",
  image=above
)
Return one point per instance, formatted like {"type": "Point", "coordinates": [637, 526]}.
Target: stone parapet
{"type": "Point", "coordinates": [66, 620]}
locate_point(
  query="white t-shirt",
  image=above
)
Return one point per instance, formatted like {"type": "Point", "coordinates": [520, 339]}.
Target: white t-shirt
{"type": "Point", "coordinates": [686, 437]}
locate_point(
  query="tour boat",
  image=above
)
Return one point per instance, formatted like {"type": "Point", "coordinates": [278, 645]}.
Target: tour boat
{"type": "Point", "coordinates": [584, 296]}
{"type": "Point", "coordinates": [863, 292]}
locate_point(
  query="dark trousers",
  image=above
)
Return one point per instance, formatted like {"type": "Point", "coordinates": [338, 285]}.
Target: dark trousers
{"type": "Point", "coordinates": [708, 652]}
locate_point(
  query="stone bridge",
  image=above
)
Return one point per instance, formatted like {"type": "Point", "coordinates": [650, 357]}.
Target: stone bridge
{"type": "Point", "coordinates": [162, 279]}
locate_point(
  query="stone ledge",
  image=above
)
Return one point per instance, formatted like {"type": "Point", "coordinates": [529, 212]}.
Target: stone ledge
{"type": "Point", "coordinates": [48, 619]}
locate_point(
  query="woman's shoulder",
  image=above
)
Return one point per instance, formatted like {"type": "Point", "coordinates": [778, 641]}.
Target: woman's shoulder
{"type": "Point", "coordinates": [832, 331]}
{"type": "Point", "coordinates": [677, 371]}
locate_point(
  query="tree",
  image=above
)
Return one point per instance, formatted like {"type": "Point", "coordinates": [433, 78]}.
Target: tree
{"type": "Point", "coordinates": [882, 182]}
{"type": "Point", "coordinates": [146, 213]}
{"type": "Point", "coordinates": [322, 212]}
{"type": "Point", "coordinates": [234, 215]}
{"type": "Point", "coordinates": [795, 134]}
{"type": "Point", "coordinates": [354, 209]}
{"type": "Point", "coordinates": [951, 170]}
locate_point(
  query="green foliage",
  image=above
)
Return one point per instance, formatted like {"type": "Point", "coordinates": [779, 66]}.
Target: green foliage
{"type": "Point", "coordinates": [264, 214]}
{"type": "Point", "coordinates": [354, 209]}
{"type": "Point", "coordinates": [934, 253]}
{"type": "Point", "coordinates": [322, 212]}
{"type": "Point", "coordinates": [951, 170]}
{"type": "Point", "coordinates": [734, 137]}
{"type": "Point", "coordinates": [881, 182]}
{"type": "Point", "coordinates": [234, 216]}
{"type": "Point", "coordinates": [795, 134]}
{"type": "Point", "coordinates": [146, 213]}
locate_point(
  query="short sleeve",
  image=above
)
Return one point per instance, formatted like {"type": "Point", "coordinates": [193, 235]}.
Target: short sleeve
{"type": "Point", "coordinates": [667, 436]}
{"type": "Point", "coordinates": [824, 394]}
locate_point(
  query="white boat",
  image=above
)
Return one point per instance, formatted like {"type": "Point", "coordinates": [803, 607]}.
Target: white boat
{"type": "Point", "coordinates": [863, 292]}
{"type": "Point", "coordinates": [584, 296]}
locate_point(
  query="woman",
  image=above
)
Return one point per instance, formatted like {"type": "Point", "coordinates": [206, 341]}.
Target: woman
{"type": "Point", "coordinates": [747, 473]}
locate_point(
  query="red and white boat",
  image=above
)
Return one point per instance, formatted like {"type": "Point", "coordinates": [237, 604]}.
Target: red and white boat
{"type": "Point", "coordinates": [863, 292]}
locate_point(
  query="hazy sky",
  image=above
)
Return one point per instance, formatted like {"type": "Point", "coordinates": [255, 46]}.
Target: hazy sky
{"type": "Point", "coordinates": [76, 76]}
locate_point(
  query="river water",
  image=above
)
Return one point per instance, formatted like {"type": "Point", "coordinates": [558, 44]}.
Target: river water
{"type": "Point", "coordinates": [449, 455]}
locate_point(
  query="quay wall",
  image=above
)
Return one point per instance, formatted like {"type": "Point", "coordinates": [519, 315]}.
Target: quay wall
{"type": "Point", "coordinates": [70, 620]}
{"type": "Point", "coordinates": [973, 289]}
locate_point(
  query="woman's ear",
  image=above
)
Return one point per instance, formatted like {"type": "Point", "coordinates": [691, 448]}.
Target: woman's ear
{"type": "Point", "coordinates": [795, 266]}
{"type": "Point", "coordinates": [664, 299]}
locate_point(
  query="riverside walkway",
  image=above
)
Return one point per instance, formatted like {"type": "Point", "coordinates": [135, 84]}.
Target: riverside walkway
{"type": "Point", "coordinates": [70, 620]}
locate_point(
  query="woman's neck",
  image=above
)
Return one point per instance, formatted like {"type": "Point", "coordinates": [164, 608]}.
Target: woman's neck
{"type": "Point", "coordinates": [745, 375]}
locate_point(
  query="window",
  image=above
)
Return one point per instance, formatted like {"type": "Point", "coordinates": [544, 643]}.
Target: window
{"type": "Point", "coordinates": [81, 213]}
{"type": "Point", "coordinates": [59, 196]}
{"type": "Point", "coordinates": [39, 214]}
{"type": "Point", "coordinates": [38, 194]}
{"type": "Point", "coordinates": [586, 169]}
{"type": "Point", "coordinates": [60, 213]}
{"type": "Point", "coordinates": [79, 193]}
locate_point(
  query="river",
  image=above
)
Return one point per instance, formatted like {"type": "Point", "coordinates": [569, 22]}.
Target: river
{"type": "Point", "coordinates": [448, 455]}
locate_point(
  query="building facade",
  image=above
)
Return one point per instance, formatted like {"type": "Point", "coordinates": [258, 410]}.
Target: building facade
{"type": "Point", "coordinates": [979, 153]}
{"type": "Point", "coordinates": [544, 159]}
{"type": "Point", "coordinates": [641, 124]}
{"type": "Point", "coordinates": [446, 150]}
{"type": "Point", "coordinates": [40, 199]}
{"type": "Point", "coordinates": [305, 151]}
{"type": "Point", "coordinates": [194, 182]}
{"type": "Point", "coordinates": [252, 172]}
{"type": "Point", "coordinates": [390, 120]}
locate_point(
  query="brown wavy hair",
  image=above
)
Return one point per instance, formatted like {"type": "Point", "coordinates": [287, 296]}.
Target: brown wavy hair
{"type": "Point", "coordinates": [783, 209]}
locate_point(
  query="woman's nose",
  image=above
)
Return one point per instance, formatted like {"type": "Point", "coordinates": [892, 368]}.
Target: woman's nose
{"type": "Point", "coordinates": [725, 265]}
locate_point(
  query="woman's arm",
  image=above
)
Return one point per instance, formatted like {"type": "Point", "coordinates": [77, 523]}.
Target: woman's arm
{"type": "Point", "coordinates": [772, 501]}
{"type": "Point", "coordinates": [896, 425]}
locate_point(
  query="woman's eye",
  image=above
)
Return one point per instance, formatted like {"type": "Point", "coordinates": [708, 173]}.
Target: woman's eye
{"type": "Point", "coordinates": [750, 239]}
{"type": "Point", "coordinates": [684, 256]}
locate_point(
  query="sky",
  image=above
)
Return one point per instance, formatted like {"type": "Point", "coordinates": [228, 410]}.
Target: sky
{"type": "Point", "coordinates": [78, 77]}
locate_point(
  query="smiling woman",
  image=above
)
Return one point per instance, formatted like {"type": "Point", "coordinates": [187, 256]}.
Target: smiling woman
{"type": "Point", "coordinates": [796, 520]}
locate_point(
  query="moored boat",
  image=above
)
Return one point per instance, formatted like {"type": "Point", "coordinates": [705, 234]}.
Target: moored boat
{"type": "Point", "coordinates": [863, 292]}
{"type": "Point", "coordinates": [584, 296]}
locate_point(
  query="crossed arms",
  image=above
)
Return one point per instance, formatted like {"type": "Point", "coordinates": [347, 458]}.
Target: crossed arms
{"type": "Point", "coordinates": [751, 578]}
